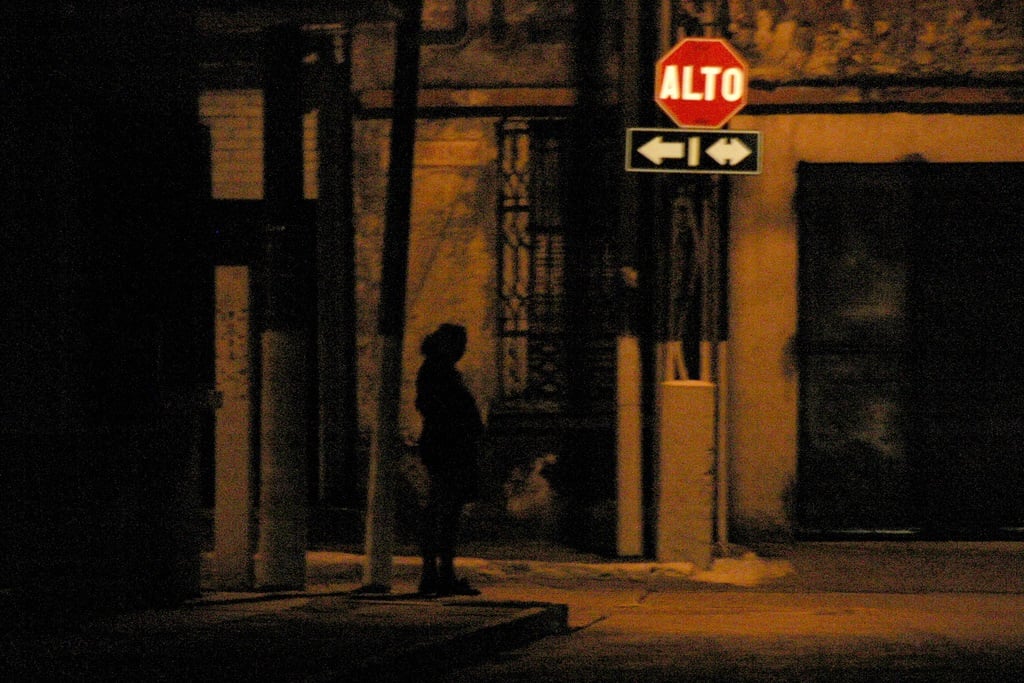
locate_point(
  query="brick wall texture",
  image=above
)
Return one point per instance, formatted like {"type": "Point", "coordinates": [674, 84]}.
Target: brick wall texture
{"type": "Point", "coordinates": [235, 121]}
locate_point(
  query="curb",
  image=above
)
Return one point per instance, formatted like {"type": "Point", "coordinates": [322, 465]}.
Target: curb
{"type": "Point", "coordinates": [419, 662]}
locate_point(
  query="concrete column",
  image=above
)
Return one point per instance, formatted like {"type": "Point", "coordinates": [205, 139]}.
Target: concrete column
{"type": "Point", "coordinates": [385, 448]}
{"type": "Point", "coordinates": [285, 314]}
{"type": "Point", "coordinates": [686, 473]}
{"type": "Point", "coordinates": [281, 553]}
{"type": "Point", "coordinates": [234, 472]}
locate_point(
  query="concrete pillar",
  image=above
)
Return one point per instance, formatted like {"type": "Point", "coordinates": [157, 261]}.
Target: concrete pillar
{"type": "Point", "coordinates": [385, 449]}
{"type": "Point", "coordinates": [285, 313]}
{"type": "Point", "coordinates": [281, 553]}
{"type": "Point", "coordinates": [686, 473]}
{"type": "Point", "coordinates": [234, 472]}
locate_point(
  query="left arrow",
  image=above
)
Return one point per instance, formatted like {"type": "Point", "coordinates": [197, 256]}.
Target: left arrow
{"type": "Point", "coordinates": [657, 150]}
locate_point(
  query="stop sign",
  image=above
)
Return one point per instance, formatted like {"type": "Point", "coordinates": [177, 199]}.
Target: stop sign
{"type": "Point", "coordinates": [701, 83]}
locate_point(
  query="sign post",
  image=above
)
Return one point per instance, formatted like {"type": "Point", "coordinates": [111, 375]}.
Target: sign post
{"type": "Point", "coordinates": [700, 84]}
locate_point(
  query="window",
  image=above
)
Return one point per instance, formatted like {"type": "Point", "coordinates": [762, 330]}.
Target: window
{"type": "Point", "coordinates": [531, 258]}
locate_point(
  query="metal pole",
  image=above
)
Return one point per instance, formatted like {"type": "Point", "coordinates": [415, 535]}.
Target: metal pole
{"type": "Point", "coordinates": [718, 283]}
{"type": "Point", "coordinates": [629, 371]}
{"type": "Point", "coordinates": [386, 445]}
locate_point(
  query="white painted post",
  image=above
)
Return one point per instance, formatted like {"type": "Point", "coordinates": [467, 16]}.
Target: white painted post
{"type": "Point", "coordinates": [384, 453]}
{"type": "Point", "coordinates": [233, 461]}
{"type": "Point", "coordinates": [386, 446]}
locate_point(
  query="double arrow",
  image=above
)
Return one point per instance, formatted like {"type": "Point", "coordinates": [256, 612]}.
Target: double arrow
{"type": "Point", "coordinates": [726, 151]}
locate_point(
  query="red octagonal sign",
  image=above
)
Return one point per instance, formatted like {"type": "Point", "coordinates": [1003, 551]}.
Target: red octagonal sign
{"type": "Point", "coordinates": [701, 83]}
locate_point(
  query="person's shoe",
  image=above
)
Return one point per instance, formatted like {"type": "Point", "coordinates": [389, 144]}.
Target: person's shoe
{"type": "Point", "coordinates": [459, 587]}
{"type": "Point", "coordinates": [427, 588]}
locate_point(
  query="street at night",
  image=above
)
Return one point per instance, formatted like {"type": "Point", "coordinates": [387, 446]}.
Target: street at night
{"type": "Point", "coordinates": [483, 340]}
{"type": "Point", "coordinates": [813, 611]}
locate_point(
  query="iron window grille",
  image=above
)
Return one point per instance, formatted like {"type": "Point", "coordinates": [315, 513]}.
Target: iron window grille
{"type": "Point", "coordinates": [531, 264]}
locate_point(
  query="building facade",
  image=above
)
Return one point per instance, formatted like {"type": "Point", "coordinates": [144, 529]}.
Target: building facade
{"type": "Point", "coordinates": [872, 271]}
{"type": "Point", "coordinates": [867, 285]}
{"type": "Point", "coordinates": [502, 241]}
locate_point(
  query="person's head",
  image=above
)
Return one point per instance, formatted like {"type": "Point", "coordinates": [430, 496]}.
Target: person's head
{"type": "Point", "coordinates": [446, 343]}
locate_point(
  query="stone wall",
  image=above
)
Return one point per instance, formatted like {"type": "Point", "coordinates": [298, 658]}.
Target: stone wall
{"type": "Point", "coordinates": [510, 44]}
{"type": "Point", "coordinates": [786, 40]}
{"type": "Point", "coordinates": [451, 250]}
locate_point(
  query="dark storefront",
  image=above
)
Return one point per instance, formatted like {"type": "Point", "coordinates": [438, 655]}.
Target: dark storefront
{"type": "Point", "coordinates": [912, 401]}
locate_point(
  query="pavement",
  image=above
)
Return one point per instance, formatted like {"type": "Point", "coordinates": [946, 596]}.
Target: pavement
{"type": "Point", "coordinates": [331, 631]}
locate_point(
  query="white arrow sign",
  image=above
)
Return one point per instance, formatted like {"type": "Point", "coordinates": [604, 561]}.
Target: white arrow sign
{"type": "Point", "coordinates": [728, 151]}
{"type": "Point", "coordinates": [667, 150]}
{"type": "Point", "coordinates": [657, 150]}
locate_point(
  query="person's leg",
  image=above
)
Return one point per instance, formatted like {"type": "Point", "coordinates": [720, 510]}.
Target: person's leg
{"type": "Point", "coordinates": [429, 544]}
{"type": "Point", "coordinates": [449, 512]}
{"type": "Point", "coordinates": [428, 575]}
{"type": "Point", "coordinates": [448, 531]}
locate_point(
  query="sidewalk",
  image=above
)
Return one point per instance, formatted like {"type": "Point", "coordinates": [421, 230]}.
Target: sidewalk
{"type": "Point", "coordinates": [321, 634]}
{"type": "Point", "coordinates": [330, 632]}
{"type": "Point", "coordinates": [852, 567]}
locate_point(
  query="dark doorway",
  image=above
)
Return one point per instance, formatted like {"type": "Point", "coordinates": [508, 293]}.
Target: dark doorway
{"type": "Point", "coordinates": [912, 367]}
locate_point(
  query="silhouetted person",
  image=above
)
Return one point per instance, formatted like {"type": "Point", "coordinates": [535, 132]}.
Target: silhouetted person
{"type": "Point", "coordinates": [449, 444]}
